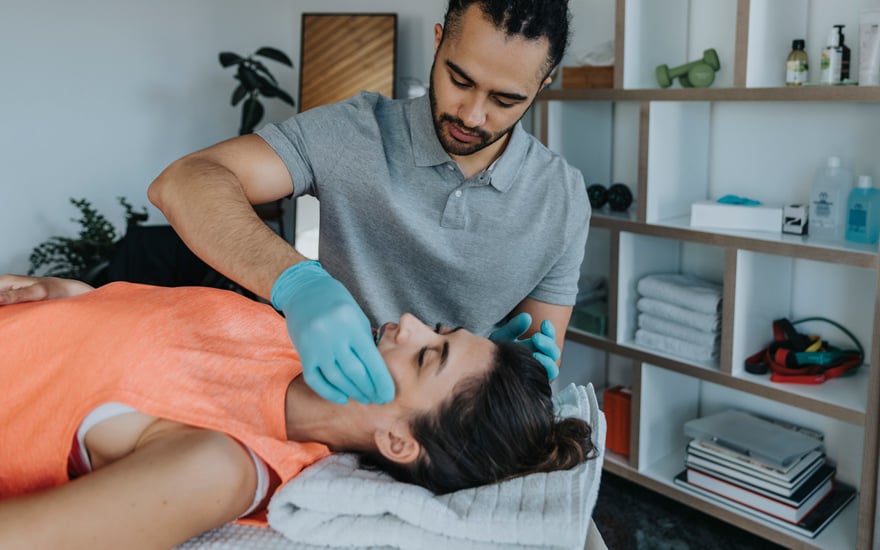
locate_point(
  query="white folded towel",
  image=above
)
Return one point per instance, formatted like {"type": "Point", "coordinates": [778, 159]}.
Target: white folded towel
{"type": "Point", "coordinates": [677, 330]}
{"type": "Point", "coordinates": [708, 322]}
{"type": "Point", "coordinates": [682, 289]}
{"type": "Point", "coordinates": [336, 504]}
{"type": "Point", "coordinates": [674, 346]}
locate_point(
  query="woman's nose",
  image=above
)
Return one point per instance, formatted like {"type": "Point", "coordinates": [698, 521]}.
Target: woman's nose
{"type": "Point", "coordinates": [409, 327]}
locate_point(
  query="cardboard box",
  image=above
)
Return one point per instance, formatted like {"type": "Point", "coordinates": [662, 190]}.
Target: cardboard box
{"type": "Point", "coordinates": [795, 217]}
{"type": "Point", "coordinates": [588, 76]}
{"type": "Point", "coordinates": [736, 216]}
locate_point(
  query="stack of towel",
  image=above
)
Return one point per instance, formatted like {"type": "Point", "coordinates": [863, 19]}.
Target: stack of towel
{"type": "Point", "coordinates": [679, 314]}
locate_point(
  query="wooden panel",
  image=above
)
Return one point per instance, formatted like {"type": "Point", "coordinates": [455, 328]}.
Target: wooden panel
{"type": "Point", "coordinates": [344, 54]}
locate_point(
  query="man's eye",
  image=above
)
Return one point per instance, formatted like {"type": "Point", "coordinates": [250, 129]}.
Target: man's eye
{"type": "Point", "coordinates": [459, 83]}
{"type": "Point", "coordinates": [503, 104]}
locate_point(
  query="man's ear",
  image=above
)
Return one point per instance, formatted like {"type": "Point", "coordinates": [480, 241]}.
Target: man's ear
{"type": "Point", "coordinates": [546, 83]}
{"type": "Point", "coordinates": [397, 444]}
{"type": "Point", "coordinates": [438, 35]}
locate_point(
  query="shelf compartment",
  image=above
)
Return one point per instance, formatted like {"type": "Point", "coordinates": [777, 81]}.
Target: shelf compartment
{"type": "Point", "coordinates": [770, 287]}
{"type": "Point", "coordinates": [674, 32]}
{"type": "Point", "coordinates": [641, 255]}
{"type": "Point", "coordinates": [672, 399]}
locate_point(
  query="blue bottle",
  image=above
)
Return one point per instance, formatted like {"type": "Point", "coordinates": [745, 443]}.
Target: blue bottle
{"type": "Point", "coordinates": [863, 212]}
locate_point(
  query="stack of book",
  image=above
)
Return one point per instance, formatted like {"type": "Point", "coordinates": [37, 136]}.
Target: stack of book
{"type": "Point", "coordinates": [799, 493]}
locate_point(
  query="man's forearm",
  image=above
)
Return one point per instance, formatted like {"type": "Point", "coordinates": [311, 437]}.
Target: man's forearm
{"type": "Point", "coordinates": [208, 208]}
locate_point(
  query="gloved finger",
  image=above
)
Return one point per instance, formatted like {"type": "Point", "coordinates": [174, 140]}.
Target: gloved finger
{"type": "Point", "coordinates": [513, 329]}
{"type": "Point", "coordinates": [548, 328]}
{"type": "Point", "coordinates": [546, 345]}
{"type": "Point", "coordinates": [315, 380]}
{"type": "Point", "coordinates": [549, 364]}
{"type": "Point", "coordinates": [335, 373]}
{"type": "Point", "coordinates": [382, 384]}
{"type": "Point", "coordinates": [352, 376]}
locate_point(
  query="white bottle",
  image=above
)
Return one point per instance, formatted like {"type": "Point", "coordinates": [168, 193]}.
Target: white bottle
{"type": "Point", "coordinates": [828, 198]}
{"type": "Point", "coordinates": [831, 61]}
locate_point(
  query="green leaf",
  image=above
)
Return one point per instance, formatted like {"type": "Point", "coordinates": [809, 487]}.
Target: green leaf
{"type": "Point", "coordinates": [227, 59]}
{"type": "Point", "coordinates": [238, 94]}
{"type": "Point", "coordinates": [251, 114]}
{"type": "Point", "coordinates": [275, 55]}
{"type": "Point", "coordinates": [262, 68]}
{"type": "Point", "coordinates": [284, 96]}
{"type": "Point", "coordinates": [267, 88]}
{"type": "Point", "coordinates": [248, 77]}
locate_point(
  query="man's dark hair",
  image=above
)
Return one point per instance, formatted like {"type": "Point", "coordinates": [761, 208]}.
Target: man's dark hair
{"type": "Point", "coordinates": [494, 427]}
{"type": "Point", "coordinates": [531, 19]}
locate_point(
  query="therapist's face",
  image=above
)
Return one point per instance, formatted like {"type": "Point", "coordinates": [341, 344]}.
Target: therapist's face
{"type": "Point", "coordinates": [482, 82]}
{"type": "Point", "coordinates": [427, 362]}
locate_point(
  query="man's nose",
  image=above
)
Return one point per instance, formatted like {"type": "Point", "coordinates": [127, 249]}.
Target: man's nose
{"type": "Point", "coordinates": [473, 111]}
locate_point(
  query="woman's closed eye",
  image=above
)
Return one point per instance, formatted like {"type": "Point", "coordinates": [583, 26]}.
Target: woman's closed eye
{"type": "Point", "coordinates": [421, 356]}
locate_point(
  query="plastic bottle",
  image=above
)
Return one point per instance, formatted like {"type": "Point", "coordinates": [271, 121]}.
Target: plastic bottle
{"type": "Point", "coordinates": [828, 198]}
{"type": "Point", "coordinates": [844, 54]}
{"type": "Point", "coordinates": [797, 67]}
{"type": "Point", "coordinates": [863, 212]}
{"type": "Point", "coordinates": [832, 58]}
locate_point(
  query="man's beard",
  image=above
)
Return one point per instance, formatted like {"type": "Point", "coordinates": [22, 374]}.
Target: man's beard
{"type": "Point", "coordinates": [449, 143]}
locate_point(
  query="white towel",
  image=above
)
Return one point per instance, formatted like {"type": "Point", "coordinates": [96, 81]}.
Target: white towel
{"type": "Point", "coordinates": [708, 322]}
{"type": "Point", "coordinates": [677, 330]}
{"type": "Point", "coordinates": [682, 289]}
{"type": "Point", "coordinates": [674, 346]}
{"type": "Point", "coordinates": [333, 503]}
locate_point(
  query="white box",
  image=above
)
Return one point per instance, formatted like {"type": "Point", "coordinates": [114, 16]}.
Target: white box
{"type": "Point", "coordinates": [736, 216]}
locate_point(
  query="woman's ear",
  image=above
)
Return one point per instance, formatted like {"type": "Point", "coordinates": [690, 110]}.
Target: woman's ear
{"type": "Point", "coordinates": [397, 443]}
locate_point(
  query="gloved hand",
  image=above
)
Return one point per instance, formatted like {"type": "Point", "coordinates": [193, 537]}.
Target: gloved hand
{"type": "Point", "coordinates": [332, 335]}
{"type": "Point", "coordinates": [542, 343]}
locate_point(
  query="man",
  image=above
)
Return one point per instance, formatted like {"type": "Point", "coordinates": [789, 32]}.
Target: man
{"type": "Point", "coordinates": [443, 206]}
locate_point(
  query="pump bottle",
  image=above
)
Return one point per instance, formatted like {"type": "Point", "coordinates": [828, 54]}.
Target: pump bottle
{"type": "Point", "coordinates": [831, 62]}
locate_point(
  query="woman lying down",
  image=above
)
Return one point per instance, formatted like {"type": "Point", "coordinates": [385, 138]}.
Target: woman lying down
{"type": "Point", "coordinates": [176, 410]}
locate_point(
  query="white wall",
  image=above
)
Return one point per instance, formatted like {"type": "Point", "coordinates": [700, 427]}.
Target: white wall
{"type": "Point", "coordinates": [98, 96]}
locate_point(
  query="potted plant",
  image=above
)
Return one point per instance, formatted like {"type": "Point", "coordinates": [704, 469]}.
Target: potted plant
{"type": "Point", "coordinates": [255, 80]}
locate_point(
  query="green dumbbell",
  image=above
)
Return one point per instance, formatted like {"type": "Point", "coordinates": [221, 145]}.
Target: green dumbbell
{"type": "Point", "coordinates": [699, 74]}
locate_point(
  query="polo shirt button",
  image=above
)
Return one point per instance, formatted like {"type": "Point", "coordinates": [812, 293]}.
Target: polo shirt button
{"type": "Point", "coordinates": [458, 193]}
{"type": "Point", "coordinates": [450, 167]}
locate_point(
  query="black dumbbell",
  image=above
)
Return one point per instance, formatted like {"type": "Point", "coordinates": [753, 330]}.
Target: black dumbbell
{"type": "Point", "coordinates": [700, 73]}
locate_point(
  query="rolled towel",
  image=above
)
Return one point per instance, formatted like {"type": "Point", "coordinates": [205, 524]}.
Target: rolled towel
{"type": "Point", "coordinates": [683, 290]}
{"type": "Point", "coordinates": [677, 330]}
{"type": "Point", "coordinates": [336, 503]}
{"type": "Point", "coordinates": [708, 322]}
{"type": "Point", "coordinates": [674, 346]}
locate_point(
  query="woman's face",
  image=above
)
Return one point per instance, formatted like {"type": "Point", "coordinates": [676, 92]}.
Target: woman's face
{"type": "Point", "coordinates": [427, 363]}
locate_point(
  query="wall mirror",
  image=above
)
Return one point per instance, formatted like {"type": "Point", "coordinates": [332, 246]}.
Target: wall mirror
{"type": "Point", "coordinates": [344, 54]}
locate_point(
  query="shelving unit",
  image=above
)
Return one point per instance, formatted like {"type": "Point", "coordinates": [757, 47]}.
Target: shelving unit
{"type": "Point", "coordinates": [748, 135]}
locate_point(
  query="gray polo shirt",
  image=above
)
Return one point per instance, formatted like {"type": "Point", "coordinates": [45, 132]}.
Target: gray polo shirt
{"type": "Point", "coordinates": [403, 229]}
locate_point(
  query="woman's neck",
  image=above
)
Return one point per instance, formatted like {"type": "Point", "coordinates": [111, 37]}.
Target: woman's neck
{"type": "Point", "coordinates": [310, 417]}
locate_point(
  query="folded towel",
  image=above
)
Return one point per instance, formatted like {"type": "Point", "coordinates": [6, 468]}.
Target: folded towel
{"type": "Point", "coordinates": [682, 289]}
{"type": "Point", "coordinates": [677, 330]}
{"type": "Point", "coordinates": [674, 346]}
{"type": "Point", "coordinates": [333, 503]}
{"type": "Point", "coordinates": [709, 322]}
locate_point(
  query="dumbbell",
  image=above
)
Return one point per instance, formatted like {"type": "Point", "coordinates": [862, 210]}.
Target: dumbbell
{"type": "Point", "coordinates": [699, 74]}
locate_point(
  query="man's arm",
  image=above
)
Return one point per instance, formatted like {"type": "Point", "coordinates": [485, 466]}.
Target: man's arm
{"type": "Point", "coordinates": [207, 196]}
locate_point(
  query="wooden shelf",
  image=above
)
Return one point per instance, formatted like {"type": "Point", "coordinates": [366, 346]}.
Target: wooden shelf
{"type": "Point", "coordinates": [806, 93]}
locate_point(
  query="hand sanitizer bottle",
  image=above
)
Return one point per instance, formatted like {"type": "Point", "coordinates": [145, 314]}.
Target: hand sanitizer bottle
{"type": "Point", "coordinates": [828, 198]}
{"type": "Point", "coordinates": [863, 212]}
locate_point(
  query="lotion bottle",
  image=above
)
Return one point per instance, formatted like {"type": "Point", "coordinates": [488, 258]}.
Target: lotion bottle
{"type": "Point", "coordinates": [832, 59]}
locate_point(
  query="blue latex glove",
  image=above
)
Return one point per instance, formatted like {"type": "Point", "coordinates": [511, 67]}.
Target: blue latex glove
{"type": "Point", "coordinates": [542, 343]}
{"type": "Point", "coordinates": [332, 335]}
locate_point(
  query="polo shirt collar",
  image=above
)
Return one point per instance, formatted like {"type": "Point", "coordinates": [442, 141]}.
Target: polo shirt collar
{"type": "Point", "coordinates": [427, 150]}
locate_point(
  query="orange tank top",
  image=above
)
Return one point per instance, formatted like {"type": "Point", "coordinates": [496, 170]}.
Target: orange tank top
{"type": "Point", "coordinates": [201, 356]}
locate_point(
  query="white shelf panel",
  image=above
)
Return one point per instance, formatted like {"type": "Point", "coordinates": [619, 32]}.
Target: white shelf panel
{"type": "Point", "coordinates": [847, 392]}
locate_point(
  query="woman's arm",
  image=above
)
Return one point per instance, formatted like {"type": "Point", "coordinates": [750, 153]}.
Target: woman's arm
{"type": "Point", "coordinates": [179, 482]}
{"type": "Point", "coordinates": [20, 288]}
